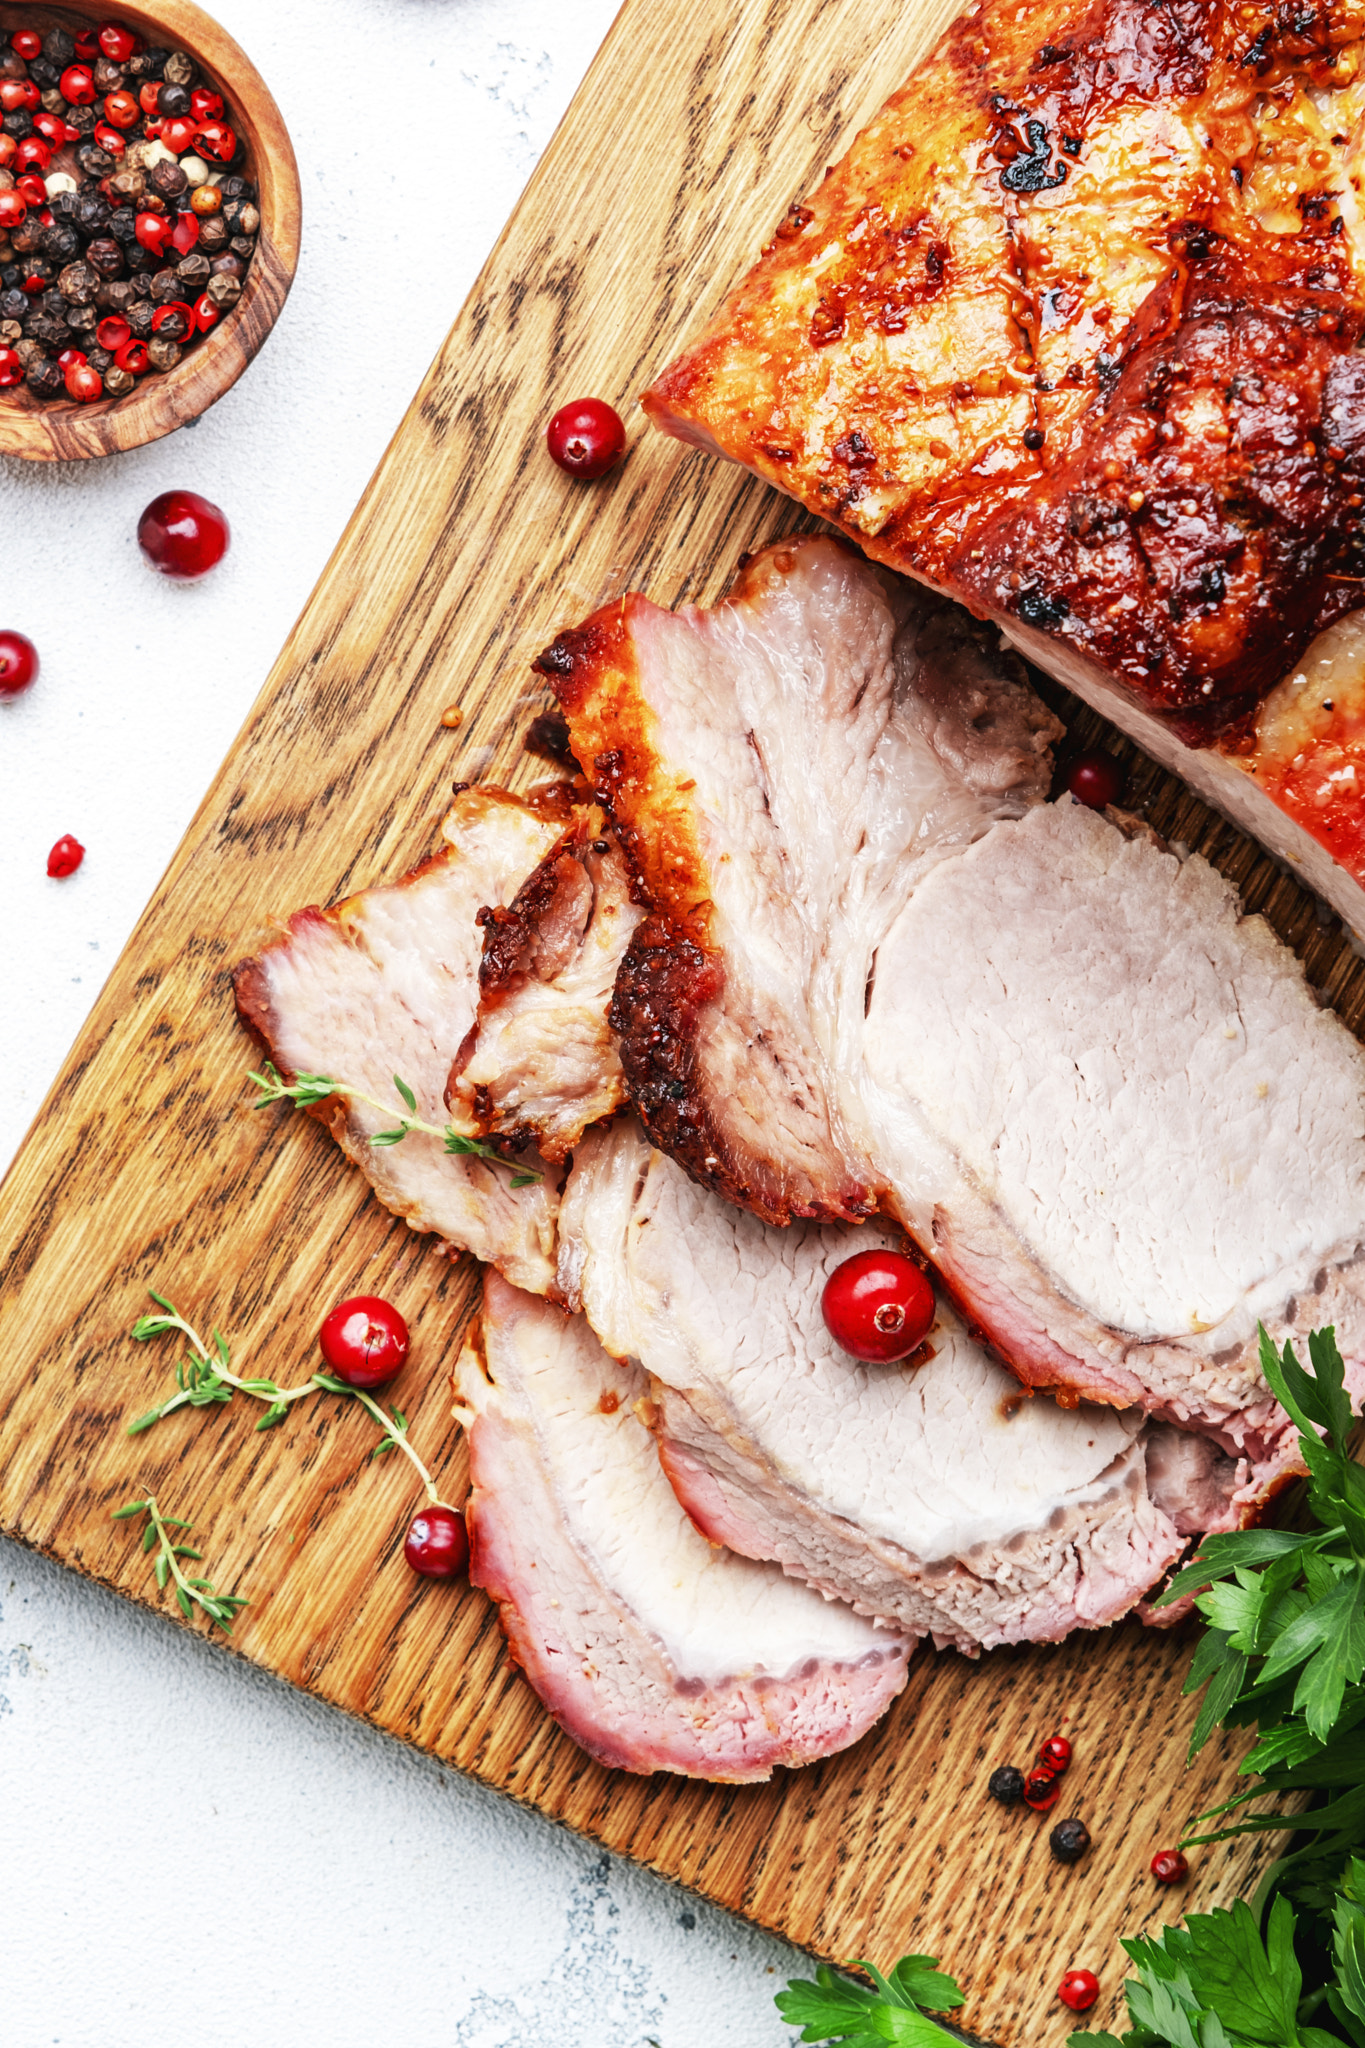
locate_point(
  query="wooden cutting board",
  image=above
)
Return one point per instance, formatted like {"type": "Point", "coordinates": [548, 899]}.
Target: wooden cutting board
{"type": "Point", "coordinates": [695, 129]}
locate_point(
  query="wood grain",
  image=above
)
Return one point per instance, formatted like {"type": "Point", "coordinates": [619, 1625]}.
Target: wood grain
{"type": "Point", "coordinates": [62, 431]}
{"type": "Point", "coordinates": [692, 134]}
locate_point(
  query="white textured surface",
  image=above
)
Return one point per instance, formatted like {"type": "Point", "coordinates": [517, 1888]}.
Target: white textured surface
{"type": "Point", "coordinates": [193, 1853]}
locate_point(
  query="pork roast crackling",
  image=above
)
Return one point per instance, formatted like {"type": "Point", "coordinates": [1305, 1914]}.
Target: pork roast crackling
{"type": "Point", "coordinates": [879, 972]}
{"type": "Point", "coordinates": [1072, 333]}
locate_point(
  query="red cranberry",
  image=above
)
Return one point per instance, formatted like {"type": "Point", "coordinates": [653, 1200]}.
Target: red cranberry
{"type": "Point", "coordinates": [18, 663]}
{"type": "Point", "coordinates": [13, 209]}
{"type": "Point", "coordinates": [65, 857]}
{"type": "Point", "coordinates": [77, 87]}
{"type": "Point", "coordinates": [26, 43]}
{"type": "Point", "coordinates": [182, 534]}
{"type": "Point", "coordinates": [215, 140]}
{"type": "Point", "coordinates": [112, 332]}
{"type": "Point", "coordinates": [364, 1341]}
{"type": "Point", "coordinates": [1095, 780]}
{"type": "Point", "coordinates": [116, 42]}
{"type": "Point", "coordinates": [1041, 1790]}
{"type": "Point", "coordinates": [586, 438]}
{"type": "Point", "coordinates": [878, 1306]}
{"type": "Point", "coordinates": [437, 1545]}
{"type": "Point", "coordinates": [1079, 1989]}
{"type": "Point", "coordinates": [122, 110]}
{"type": "Point", "coordinates": [84, 384]}
{"type": "Point", "coordinates": [206, 106]}
{"type": "Point", "coordinates": [11, 373]}
{"type": "Point", "coordinates": [154, 231]}
{"type": "Point", "coordinates": [1169, 1867]}
{"type": "Point", "coordinates": [1055, 1754]}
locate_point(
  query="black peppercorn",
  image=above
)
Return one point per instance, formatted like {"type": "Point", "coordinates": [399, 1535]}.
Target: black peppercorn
{"type": "Point", "coordinates": [59, 48]}
{"type": "Point", "coordinates": [139, 318]}
{"type": "Point", "coordinates": [99, 359]}
{"type": "Point", "coordinates": [83, 119]}
{"type": "Point", "coordinates": [44, 378]}
{"type": "Point", "coordinates": [128, 186]}
{"type": "Point", "coordinates": [1033, 438]}
{"type": "Point", "coordinates": [175, 326]}
{"type": "Point", "coordinates": [44, 73]}
{"type": "Point", "coordinates": [178, 69]}
{"type": "Point", "coordinates": [91, 211]}
{"type": "Point", "coordinates": [167, 179]}
{"type": "Point", "coordinates": [155, 62]}
{"type": "Point", "coordinates": [108, 77]}
{"type": "Point", "coordinates": [54, 334]}
{"type": "Point", "coordinates": [1069, 1840]}
{"type": "Point", "coordinates": [227, 265]}
{"type": "Point", "coordinates": [116, 297]}
{"type": "Point", "coordinates": [1006, 1785]}
{"type": "Point", "coordinates": [118, 382]}
{"type": "Point", "coordinates": [78, 284]}
{"type": "Point", "coordinates": [94, 161]}
{"type": "Point", "coordinates": [19, 124]}
{"type": "Point", "coordinates": [237, 188]}
{"type": "Point", "coordinates": [123, 224]}
{"type": "Point", "coordinates": [105, 257]}
{"type": "Point", "coordinates": [162, 353]}
{"type": "Point", "coordinates": [82, 318]}
{"type": "Point", "coordinates": [28, 235]}
{"type": "Point", "coordinates": [165, 287]}
{"type": "Point", "coordinates": [60, 242]}
{"type": "Point", "coordinates": [174, 101]}
{"type": "Point", "coordinates": [193, 270]}
{"type": "Point", "coordinates": [13, 304]}
{"type": "Point", "coordinates": [225, 291]}
{"type": "Point", "coordinates": [213, 233]}
{"type": "Point", "coordinates": [243, 246]}
{"type": "Point", "coordinates": [62, 206]}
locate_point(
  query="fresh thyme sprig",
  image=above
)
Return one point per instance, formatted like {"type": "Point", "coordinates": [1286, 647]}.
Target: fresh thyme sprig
{"type": "Point", "coordinates": [310, 1089]}
{"type": "Point", "coordinates": [206, 1378]}
{"type": "Point", "coordinates": [190, 1593]}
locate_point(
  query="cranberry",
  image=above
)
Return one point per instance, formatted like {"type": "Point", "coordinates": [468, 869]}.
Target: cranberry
{"type": "Point", "coordinates": [206, 106]}
{"type": "Point", "coordinates": [178, 134]}
{"type": "Point", "coordinates": [112, 332]}
{"type": "Point", "coordinates": [116, 42]}
{"type": "Point", "coordinates": [84, 384]}
{"type": "Point", "coordinates": [133, 358]}
{"type": "Point", "coordinates": [1095, 780]}
{"type": "Point", "coordinates": [181, 534]}
{"type": "Point", "coordinates": [154, 232]}
{"type": "Point", "coordinates": [1006, 1785]}
{"type": "Point", "coordinates": [364, 1341]}
{"type": "Point", "coordinates": [1041, 1790]}
{"type": "Point", "coordinates": [1069, 1840]}
{"type": "Point", "coordinates": [11, 373]}
{"type": "Point", "coordinates": [214, 139]}
{"type": "Point", "coordinates": [1055, 1754]}
{"type": "Point", "coordinates": [13, 209]}
{"type": "Point", "coordinates": [26, 43]}
{"type": "Point", "coordinates": [586, 438]}
{"type": "Point", "coordinates": [878, 1306]}
{"type": "Point", "coordinates": [437, 1545]}
{"type": "Point", "coordinates": [77, 87]}
{"type": "Point", "coordinates": [1169, 1867]}
{"type": "Point", "coordinates": [1079, 1989]}
{"type": "Point", "coordinates": [18, 663]}
{"type": "Point", "coordinates": [65, 857]}
{"type": "Point", "coordinates": [122, 110]}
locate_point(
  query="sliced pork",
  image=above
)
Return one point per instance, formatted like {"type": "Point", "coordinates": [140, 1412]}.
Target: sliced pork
{"type": "Point", "coordinates": [783, 769]}
{"type": "Point", "coordinates": [1072, 333]}
{"type": "Point", "coordinates": [654, 1649]}
{"type": "Point", "coordinates": [877, 972]}
{"type": "Point", "coordinates": [387, 983]}
{"type": "Point", "coordinates": [936, 1493]}
{"type": "Point", "coordinates": [541, 1065]}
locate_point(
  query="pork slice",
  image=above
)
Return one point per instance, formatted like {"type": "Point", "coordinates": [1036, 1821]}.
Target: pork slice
{"type": "Point", "coordinates": [386, 983]}
{"type": "Point", "coordinates": [782, 769]}
{"type": "Point", "coordinates": [1156, 1131]}
{"type": "Point", "coordinates": [653, 1649]}
{"type": "Point", "coordinates": [935, 1494]}
{"type": "Point", "coordinates": [540, 1064]}
{"type": "Point", "coordinates": [1072, 333]}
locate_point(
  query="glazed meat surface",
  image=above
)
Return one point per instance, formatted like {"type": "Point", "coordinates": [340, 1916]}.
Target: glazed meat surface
{"type": "Point", "coordinates": [1103, 1103]}
{"type": "Point", "coordinates": [387, 983]}
{"type": "Point", "coordinates": [932, 1493]}
{"type": "Point", "coordinates": [1071, 333]}
{"type": "Point", "coordinates": [654, 1649]}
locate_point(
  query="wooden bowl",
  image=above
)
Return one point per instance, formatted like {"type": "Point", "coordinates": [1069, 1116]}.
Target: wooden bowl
{"type": "Point", "coordinates": [59, 430]}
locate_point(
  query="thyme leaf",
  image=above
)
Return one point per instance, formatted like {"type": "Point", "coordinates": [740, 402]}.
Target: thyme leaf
{"type": "Point", "coordinates": [307, 1090]}
{"type": "Point", "coordinates": [190, 1593]}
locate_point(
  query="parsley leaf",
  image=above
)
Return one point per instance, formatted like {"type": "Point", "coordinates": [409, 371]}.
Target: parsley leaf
{"type": "Point", "coordinates": [836, 2008]}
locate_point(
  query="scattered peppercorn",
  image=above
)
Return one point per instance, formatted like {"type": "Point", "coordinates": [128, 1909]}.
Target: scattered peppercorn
{"type": "Point", "coordinates": [95, 206]}
{"type": "Point", "coordinates": [1006, 1785]}
{"type": "Point", "coordinates": [548, 734]}
{"type": "Point", "coordinates": [65, 857]}
{"type": "Point", "coordinates": [1041, 1790]}
{"type": "Point", "coordinates": [1169, 1867]}
{"type": "Point", "coordinates": [1079, 1989]}
{"type": "Point", "coordinates": [1069, 1840]}
{"type": "Point", "coordinates": [1055, 1754]}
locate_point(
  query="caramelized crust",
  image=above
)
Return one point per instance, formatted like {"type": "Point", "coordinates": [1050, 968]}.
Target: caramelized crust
{"type": "Point", "coordinates": [1071, 333]}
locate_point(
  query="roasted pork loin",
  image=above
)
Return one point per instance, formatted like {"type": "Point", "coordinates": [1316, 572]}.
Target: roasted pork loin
{"type": "Point", "coordinates": [654, 1648]}
{"type": "Point", "coordinates": [935, 1493]}
{"type": "Point", "coordinates": [1071, 333]}
{"type": "Point", "coordinates": [387, 983]}
{"type": "Point", "coordinates": [877, 972]}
